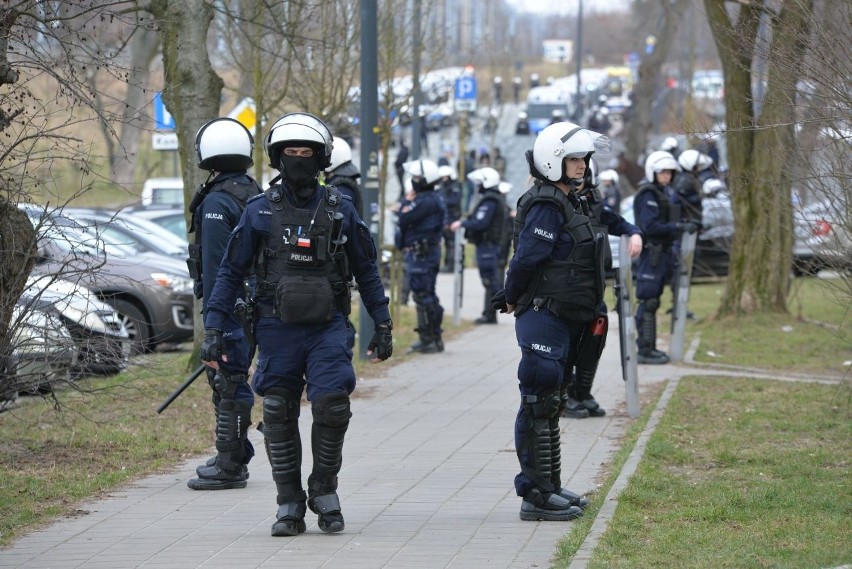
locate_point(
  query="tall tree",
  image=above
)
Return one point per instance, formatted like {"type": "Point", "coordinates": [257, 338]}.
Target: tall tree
{"type": "Point", "coordinates": [660, 18]}
{"type": "Point", "coordinates": [761, 146]}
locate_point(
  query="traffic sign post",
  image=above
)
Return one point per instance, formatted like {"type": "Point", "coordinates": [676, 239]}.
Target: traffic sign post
{"type": "Point", "coordinates": [163, 119]}
{"type": "Point", "coordinates": [246, 113]}
{"type": "Point", "coordinates": [465, 93]}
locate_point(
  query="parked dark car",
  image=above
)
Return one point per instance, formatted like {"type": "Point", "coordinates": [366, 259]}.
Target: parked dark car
{"type": "Point", "coordinates": [130, 230]}
{"type": "Point", "coordinates": [152, 293]}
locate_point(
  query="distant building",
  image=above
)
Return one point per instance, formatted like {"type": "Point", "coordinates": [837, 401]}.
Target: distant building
{"type": "Point", "coordinates": [558, 51]}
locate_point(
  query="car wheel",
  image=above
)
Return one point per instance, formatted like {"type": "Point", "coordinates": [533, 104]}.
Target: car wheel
{"type": "Point", "coordinates": [135, 323]}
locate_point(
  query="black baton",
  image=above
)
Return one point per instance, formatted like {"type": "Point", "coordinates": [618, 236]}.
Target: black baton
{"type": "Point", "coordinates": [176, 393]}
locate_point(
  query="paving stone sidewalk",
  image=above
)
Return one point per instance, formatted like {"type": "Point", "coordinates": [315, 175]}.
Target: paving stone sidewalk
{"type": "Point", "coordinates": [426, 480]}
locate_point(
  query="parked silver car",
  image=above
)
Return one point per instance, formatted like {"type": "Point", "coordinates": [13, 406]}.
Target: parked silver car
{"type": "Point", "coordinates": [95, 327]}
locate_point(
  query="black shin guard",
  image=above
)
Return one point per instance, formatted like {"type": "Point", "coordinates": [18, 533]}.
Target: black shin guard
{"type": "Point", "coordinates": [284, 449]}
{"type": "Point", "coordinates": [331, 420]}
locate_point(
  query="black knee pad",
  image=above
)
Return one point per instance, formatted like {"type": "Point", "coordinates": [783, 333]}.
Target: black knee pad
{"type": "Point", "coordinates": [419, 297]}
{"type": "Point", "coordinates": [332, 410]}
{"type": "Point", "coordinates": [542, 406]}
{"type": "Point", "coordinates": [278, 411]}
{"type": "Point", "coordinates": [226, 383]}
{"type": "Point", "coordinates": [652, 304]}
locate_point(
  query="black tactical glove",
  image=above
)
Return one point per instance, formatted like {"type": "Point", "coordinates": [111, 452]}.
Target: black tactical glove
{"type": "Point", "coordinates": [381, 345]}
{"type": "Point", "coordinates": [688, 226]}
{"type": "Point", "coordinates": [213, 345]}
{"type": "Point", "coordinates": [498, 302]}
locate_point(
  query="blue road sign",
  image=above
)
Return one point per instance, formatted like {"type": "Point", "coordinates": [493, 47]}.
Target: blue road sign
{"type": "Point", "coordinates": [163, 119]}
{"type": "Point", "coordinates": [466, 88]}
{"type": "Point", "coordinates": [465, 93]}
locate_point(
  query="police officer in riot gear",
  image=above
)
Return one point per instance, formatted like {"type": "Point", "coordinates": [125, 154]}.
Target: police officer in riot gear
{"type": "Point", "coordinates": [224, 147]}
{"type": "Point", "coordinates": [554, 286]}
{"type": "Point", "coordinates": [304, 242]}
{"type": "Point", "coordinates": [421, 221]}
{"type": "Point", "coordinates": [579, 401]}
{"type": "Point", "coordinates": [687, 185]}
{"type": "Point", "coordinates": [660, 221]}
{"type": "Point", "coordinates": [484, 228]}
{"type": "Point", "coordinates": [451, 192]}
{"type": "Point", "coordinates": [343, 174]}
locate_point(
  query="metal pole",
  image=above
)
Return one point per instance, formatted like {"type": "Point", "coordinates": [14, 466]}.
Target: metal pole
{"type": "Point", "coordinates": [578, 112]}
{"type": "Point", "coordinates": [416, 125]}
{"type": "Point", "coordinates": [369, 146]}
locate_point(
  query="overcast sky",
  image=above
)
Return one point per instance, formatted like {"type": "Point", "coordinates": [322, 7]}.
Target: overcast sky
{"type": "Point", "coordinates": [569, 6]}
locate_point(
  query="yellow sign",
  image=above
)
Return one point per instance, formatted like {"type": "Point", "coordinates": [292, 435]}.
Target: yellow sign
{"type": "Point", "coordinates": [246, 113]}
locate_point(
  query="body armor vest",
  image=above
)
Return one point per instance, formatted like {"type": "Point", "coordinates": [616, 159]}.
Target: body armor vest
{"type": "Point", "coordinates": [668, 213]}
{"type": "Point", "coordinates": [303, 265]}
{"type": "Point", "coordinates": [494, 232]}
{"type": "Point", "coordinates": [571, 288]}
{"type": "Point", "coordinates": [596, 208]}
{"type": "Point", "coordinates": [355, 189]}
{"type": "Point", "coordinates": [240, 192]}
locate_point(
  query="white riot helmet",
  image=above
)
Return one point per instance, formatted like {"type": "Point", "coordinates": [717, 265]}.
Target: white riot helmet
{"type": "Point", "coordinates": [487, 177]}
{"type": "Point", "coordinates": [669, 144]}
{"type": "Point", "coordinates": [689, 159]}
{"type": "Point", "coordinates": [340, 154]}
{"type": "Point", "coordinates": [609, 176]}
{"type": "Point", "coordinates": [504, 187]}
{"type": "Point", "coordinates": [297, 129]}
{"type": "Point", "coordinates": [447, 172]}
{"type": "Point", "coordinates": [713, 187]}
{"type": "Point", "coordinates": [425, 169]}
{"type": "Point", "coordinates": [559, 141]}
{"type": "Point", "coordinates": [657, 162]}
{"type": "Point", "coordinates": [224, 145]}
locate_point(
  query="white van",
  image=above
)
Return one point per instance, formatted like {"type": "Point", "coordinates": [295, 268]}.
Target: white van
{"type": "Point", "coordinates": [163, 191]}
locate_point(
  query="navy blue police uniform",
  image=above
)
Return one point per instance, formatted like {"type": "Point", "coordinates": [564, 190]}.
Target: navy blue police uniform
{"type": "Point", "coordinates": [554, 283]}
{"type": "Point", "coordinates": [577, 399]}
{"type": "Point", "coordinates": [420, 224]}
{"type": "Point", "coordinates": [304, 253]}
{"type": "Point", "coordinates": [216, 210]}
{"type": "Point", "coordinates": [451, 192]}
{"type": "Point", "coordinates": [658, 217]}
{"type": "Point", "coordinates": [484, 228]}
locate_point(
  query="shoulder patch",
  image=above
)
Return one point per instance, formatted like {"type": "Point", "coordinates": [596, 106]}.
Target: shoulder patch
{"type": "Point", "coordinates": [543, 234]}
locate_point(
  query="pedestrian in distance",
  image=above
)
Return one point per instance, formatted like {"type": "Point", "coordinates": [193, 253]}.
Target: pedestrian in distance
{"type": "Point", "coordinates": [451, 192]}
{"type": "Point", "coordinates": [579, 402]}
{"type": "Point", "coordinates": [223, 147]}
{"type": "Point", "coordinates": [659, 218]}
{"type": "Point", "coordinates": [304, 242]}
{"type": "Point", "coordinates": [421, 222]}
{"type": "Point", "coordinates": [554, 286]}
{"type": "Point", "coordinates": [343, 174]}
{"type": "Point", "coordinates": [401, 158]}
{"type": "Point", "coordinates": [485, 227]}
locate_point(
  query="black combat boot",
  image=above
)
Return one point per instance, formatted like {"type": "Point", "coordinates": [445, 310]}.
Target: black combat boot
{"type": "Point", "coordinates": [583, 380]}
{"type": "Point", "coordinates": [489, 315]}
{"type": "Point", "coordinates": [556, 469]}
{"type": "Point", "coordinates": [648, 353]}
{"type": "Point", "coordinates": [331, 420]}
{"type": "Point", "coordinates": [427, 343]}
{"type": "Point", "coordinates": [535, 454]}
{"type": "Point", "coordinates": [284, 449]}
{"type": "Point", "coordinates": [229, 466]}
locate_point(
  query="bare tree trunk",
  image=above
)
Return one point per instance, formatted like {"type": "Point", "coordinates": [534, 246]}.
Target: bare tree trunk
{"type": "Point", "coordinates": [760, 152]}
{"type": "Point", "coordinates": [192, 88]}
{"type": "Point", "coordinates": [650, 69]}
{"type": "Point", "coordinates": [144, 47]}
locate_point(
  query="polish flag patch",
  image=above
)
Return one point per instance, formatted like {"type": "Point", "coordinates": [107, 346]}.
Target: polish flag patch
{"type": "Point", "coordinates": [303, 242]}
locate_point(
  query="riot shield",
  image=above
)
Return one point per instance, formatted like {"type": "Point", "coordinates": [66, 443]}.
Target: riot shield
{"type": "Point", "coordinates": [681, 295]}
{"type": "Point", "coordinates": [627, 326]}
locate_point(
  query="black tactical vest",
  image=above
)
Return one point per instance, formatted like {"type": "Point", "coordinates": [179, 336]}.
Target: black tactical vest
{"type": "Point", "coordinates": [596, 208]}
{"type": "Point", "coordinates": [494, 232]}
{"type": "Point", "coordinates": [571, 288]}
{"type": "Point", "coordinates": [240, 192]}
{"type": "Point", "coordinates": [667, 212]}
{"type": "Point", "coordinates": [303, 266]}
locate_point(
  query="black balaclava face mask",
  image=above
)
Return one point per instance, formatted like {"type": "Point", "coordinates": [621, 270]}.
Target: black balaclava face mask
{"type": "Point", "coordinates": [300, 173]}
{"type": "Point", "coordinates": [419, 184]}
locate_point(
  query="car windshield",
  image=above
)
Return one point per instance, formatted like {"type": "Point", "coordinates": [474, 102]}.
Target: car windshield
{"type": "Point", "coordinates": [545, 111]}
{"type": "Point", "coordinates": [82, 242]}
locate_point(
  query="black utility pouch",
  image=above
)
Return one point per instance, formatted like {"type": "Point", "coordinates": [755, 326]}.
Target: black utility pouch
{"type": "Point", "coordinates": [304, 299]}
{"type": "Point", "coordinates": [194, 261]}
